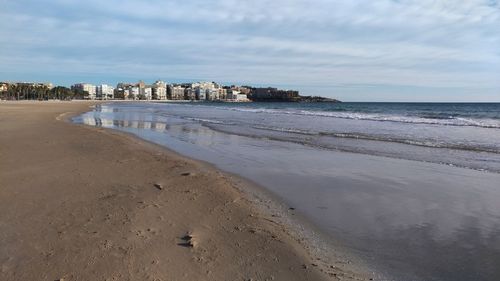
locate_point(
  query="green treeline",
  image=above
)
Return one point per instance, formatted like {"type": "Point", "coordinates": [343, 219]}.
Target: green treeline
{"type": "Point", "coordinates": [40, 92]}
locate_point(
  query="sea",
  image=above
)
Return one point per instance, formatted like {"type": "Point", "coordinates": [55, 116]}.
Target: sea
{"type": "Point", "coordinates": [412, 189]}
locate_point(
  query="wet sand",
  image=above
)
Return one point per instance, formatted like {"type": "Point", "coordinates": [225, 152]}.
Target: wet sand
{"type": "Point", "coordinates": [83, 203]}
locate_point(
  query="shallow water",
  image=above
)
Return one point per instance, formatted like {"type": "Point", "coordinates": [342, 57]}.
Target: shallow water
{"type": "Point", "coordinates": [411, 219]}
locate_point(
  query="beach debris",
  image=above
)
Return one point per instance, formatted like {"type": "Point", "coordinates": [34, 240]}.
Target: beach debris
{"type": "Point", "coordinates": [185, 174]}
{"type": "Point", "coordinates": [291, 209]}
{"type": "Point", "coordinates": [158, 186]}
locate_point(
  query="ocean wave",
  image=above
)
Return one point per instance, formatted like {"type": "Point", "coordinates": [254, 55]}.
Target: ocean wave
{"type": "Point", "coordinates": [431, 143]}
{"type": "Point", "coordinates": [203, 120]}
{"type": "Point", "coordinates": [428, 119]}
{"type": "Point", "coordinates": [196, 119]}
{"type": "Point", "coordinates": [285, 130]}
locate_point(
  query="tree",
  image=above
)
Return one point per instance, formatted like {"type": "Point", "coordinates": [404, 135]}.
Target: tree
{"type": "Point", "coordinates": [80, 94]}
{"type": "Point", "coordinates": [119, 94]}
{"type": "Point", "coordinates": [61, 93]}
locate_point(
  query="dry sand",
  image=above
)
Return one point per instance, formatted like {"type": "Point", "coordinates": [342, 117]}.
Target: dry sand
{"type": "Point", "coordinates": [82, 203]}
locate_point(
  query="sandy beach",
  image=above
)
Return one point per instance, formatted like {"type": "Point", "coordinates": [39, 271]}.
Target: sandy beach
{"type": "Point", "coordinates": [82, 203]}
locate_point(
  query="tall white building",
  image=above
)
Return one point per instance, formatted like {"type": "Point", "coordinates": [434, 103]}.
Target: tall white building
{"type": "Point", "coordinates": [160, 90]}
{"type": "Point", "coordinates": [212, 94]}
{"type": "Point", "coordinates": [133, 93]}
{"type": "Point", "coordinates": [201, 94]}
{"type": "Point", "coordinates": [105, 92]}
{"type": "Point", "coordinates": [148, 93]}
{"type": "Point", "coordinates": [205, 90]}
{"type": "Point", "coordinates": [177, 92]}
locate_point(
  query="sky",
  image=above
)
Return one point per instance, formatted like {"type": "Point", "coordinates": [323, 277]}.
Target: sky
{"type": "Point", "coordinates": [353, 50]}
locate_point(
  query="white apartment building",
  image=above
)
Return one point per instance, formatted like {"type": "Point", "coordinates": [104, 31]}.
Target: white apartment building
{"type": "Point", "coordinates": [205, 90]}
{"type": "Point", "coordinates": [237, 96]}
{"type": "Point", "coordinates": [105, 92]}
{"type": "Point", "coordinates": [222, 93]}
{"type": "Point", "coordinates": [177, 93]}
{"type": "Point", "coordinates": [212, 94]}
{"type": "Point", "coordinates": [148, 93]}
{"type": "Point", "coordinates": [201, 94]}
{"type": "Point", "coordinates": [133, 93]}
{"type": "Point", "coordinates": [160, 90]}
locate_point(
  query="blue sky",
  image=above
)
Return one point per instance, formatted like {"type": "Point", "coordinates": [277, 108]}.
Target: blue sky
{"type": "Point", "coordinates": [354, 50]}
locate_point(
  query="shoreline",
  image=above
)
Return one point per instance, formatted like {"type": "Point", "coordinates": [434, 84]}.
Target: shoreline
{"type": "Point", "coordinates": [258, 223]}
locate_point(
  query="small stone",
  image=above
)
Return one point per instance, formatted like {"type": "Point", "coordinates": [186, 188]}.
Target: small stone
{"type": "Point", "coordinates": [159, 186]}
{"type": "Point", "coordinates": [185, 174]}
{"type": "Point", "coordinates": [190, 241]}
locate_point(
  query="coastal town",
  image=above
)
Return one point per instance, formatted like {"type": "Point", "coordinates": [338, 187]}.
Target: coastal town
{"type": "Point", "coordinates": [157, 91]}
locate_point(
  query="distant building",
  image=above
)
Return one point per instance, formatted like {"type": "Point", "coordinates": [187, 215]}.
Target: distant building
{"type": "Point", "coordinates": [4, 87]}
{"type": "Point", "coordinates": [104, 92]}
{"type": "Point", "coordinates": [200, 94]}
{"type": "Point", "coordinates": [133, 93]}
{"type": "Point", "coordinates": [222, 94]}
{"type": "Point", "coordinates": [159, 89]}
{"type": "Point", "coordinates": [212, 94]}
{"type": "Point", "coordinates": [206, 90]}
{"type": "Point", "coordinates": [89, 88]}
{"type": "Point", "coordinates": [124, 91]}
{"type": "Point", "coordinates": [175, 92]}
{"type": "Point", "coordinates": [236, 96]}
{"type": "Point", "coordinates": [140, 90]}
{"type": "Point", "coordinates": [244, 90]}
{"type": "Point", "coordinates": [148, 93]}
{"type": "Point", "coordinates": [124, 86]}
{"type": "Point", "coordinates": [189, 94]}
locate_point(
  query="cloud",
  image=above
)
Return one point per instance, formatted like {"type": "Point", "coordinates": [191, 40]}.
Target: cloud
{"type": "Point", "coordinates": [438, 44]}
